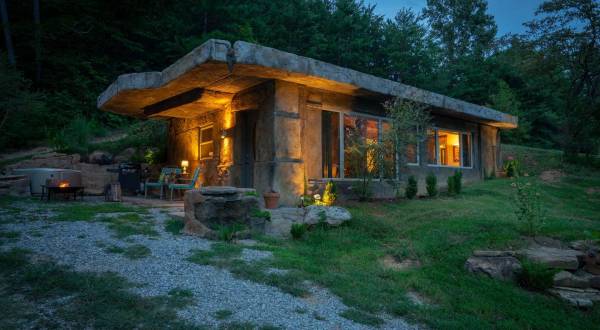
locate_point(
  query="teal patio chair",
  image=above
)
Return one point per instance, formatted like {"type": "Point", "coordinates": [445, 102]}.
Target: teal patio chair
{"type": "Point", "coordinates": [185, 186]}
{"type": "Point", "coordinates": [164, 172]}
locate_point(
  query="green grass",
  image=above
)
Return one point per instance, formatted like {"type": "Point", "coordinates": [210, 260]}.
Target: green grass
{"type": "Point", "coordinates": [136, 251]}
{"type": "Point", "coordinates": [77, 299]}
{"type": "Point", "coordinates": [223, 314]}
{"type": "Point", "coordinates": [125, 225]}
{"type": "Point", "coordinates": [361, 317]}
{"type": "Point", "coordinates": [174, 226]}
{"type": "Point", "coordinates": [225, 255]}
{"type": "Point", "coordinates": [441, 234]}
{"type": "Point", "coordinates": [88, 211]}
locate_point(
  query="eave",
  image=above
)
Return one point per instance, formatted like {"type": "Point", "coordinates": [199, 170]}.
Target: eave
{"type": "Point", "coordinates": [219, 71]}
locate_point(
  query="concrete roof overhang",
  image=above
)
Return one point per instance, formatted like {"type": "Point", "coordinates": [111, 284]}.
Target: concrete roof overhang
{"type": "Point", "coordinates": [208, 78]}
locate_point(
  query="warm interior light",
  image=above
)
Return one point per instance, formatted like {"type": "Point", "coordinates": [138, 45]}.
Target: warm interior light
{"type": "Point", "coordinates": [63, 184]}
{"type": "Point", "coordinates": [185, 164]}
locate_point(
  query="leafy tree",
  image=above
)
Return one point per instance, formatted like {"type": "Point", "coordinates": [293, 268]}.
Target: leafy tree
{"type": "Point", "coordinates": [567, 32]}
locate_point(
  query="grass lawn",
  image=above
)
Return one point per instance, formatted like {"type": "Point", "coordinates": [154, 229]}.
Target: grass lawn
{"type": "Point", "coordinates": [440, 234]}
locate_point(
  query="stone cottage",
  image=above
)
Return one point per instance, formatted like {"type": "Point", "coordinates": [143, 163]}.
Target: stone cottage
{"type": "Point", "coordinates": [254, 116]}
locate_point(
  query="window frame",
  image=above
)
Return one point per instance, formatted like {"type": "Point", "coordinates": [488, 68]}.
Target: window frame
{"type": "Point", "coordinates": [200, 143]}
{"type": "Point", "coordinates": [437, 147]}
{"type": "Point", "coordinates": [341, 132]}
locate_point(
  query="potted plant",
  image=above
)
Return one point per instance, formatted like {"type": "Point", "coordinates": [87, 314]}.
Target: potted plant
{"type": "Point", "coordinates": [271, 199]}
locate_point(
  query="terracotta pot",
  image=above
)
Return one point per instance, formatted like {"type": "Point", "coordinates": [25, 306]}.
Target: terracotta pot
{"type": "Point", "coordinates": [271, 199]}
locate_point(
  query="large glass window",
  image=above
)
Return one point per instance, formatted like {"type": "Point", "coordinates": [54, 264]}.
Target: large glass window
{"type": "Point", "coordinates": [206, 143]}
{"type": "Point", "coordinates": [356, 130]}
{"type": "Point", "coordinates": [449, 148]}
{"type": "Point", "coordinates": [330, 135]}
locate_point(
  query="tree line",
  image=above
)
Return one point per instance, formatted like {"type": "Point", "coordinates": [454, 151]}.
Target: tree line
{"type": "Point", "coordinates": [58, 55]}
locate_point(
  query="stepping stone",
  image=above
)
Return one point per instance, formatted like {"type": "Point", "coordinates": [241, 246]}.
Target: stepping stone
{"type": "Point", "coordinates": [553, 257]}
{"type": "Point", "coordinates": [582, 298]}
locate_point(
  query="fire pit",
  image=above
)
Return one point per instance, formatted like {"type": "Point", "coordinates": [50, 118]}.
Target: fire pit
{"type": "Point", "coordinates": [63, 188]}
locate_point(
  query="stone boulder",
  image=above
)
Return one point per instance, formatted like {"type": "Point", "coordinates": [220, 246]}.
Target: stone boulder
{"type": "Point", "coordinates": [51, 160]}
{"type": "Point", "coordinates": [580, 280]}
{"type": "Point", "coordinates": [501, 265]}
{"type": "Point", "coordinates": [333, 215]}
{"type": "Point", "coordinates": [209, 208]}
{"type": "Point", "coordinates": [100, 157]}
{"type": "Point", "coordinates": [553, 257]}
{"type": "Point", "coordinates": [582, 298]}
{"type": "Point", "coordinates": [591, 261]}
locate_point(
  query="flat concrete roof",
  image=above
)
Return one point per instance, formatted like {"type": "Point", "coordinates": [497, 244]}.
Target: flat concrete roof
{"type": "Point", "coordinates": [219, 70]}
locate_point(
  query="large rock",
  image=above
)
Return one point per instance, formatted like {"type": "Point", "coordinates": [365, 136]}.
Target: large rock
{"type": "Point", "coordinates": [582, 298]}
{"type": "Point", "coordinates": [50, 160]}
{"type": "Point", "coordinates": [333, 215]}
{"type": "Point", "coordinates": [580, 280]}
{"type": "Point", "coordinates": [208, 209]}
{"type": "Point", "coordinates": [591, 261]}
{"type": "Point", "coordinates": [553, 257]}
{"type": "Point", "coordinates": [100, 157]}
{"type": "Point", "coordinates": [504, 268]}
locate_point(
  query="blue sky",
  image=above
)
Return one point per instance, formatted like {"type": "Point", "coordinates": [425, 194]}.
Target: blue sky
{"type": "Point", "coordinates": [509, 14]}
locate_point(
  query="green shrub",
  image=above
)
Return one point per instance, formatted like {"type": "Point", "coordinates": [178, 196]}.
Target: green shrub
{"type": "Point", "coordinates": [257, 213]}
{"type": "Point", "coordinates": [535, 276]}
{"type": "Point", "coordinates": [330, 193]}
{"type": "Point", "coordinates": [431, 182]}
{"type": "Point", "coordinates": [411, 187]}
{"type": "Point", "coordinates": [251, 193]}
{"type": "Point", "coordinates": [228, 233]}
{"type": "Point", "coordinates": [75, 137]}
{"type": "Point", "coordinates": [298, 230]}
{"type": "Point", "coordinates": [512, 167]}
{"type": "Point", "coordinates": [455, 183]}
{"type": "Point", "coordinates": [528, 206]}
{"type": "Point", "coordinates": [362, 189]}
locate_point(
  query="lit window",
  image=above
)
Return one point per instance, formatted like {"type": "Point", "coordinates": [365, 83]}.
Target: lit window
{"type": "Point", "coordinates": [355, 128]}
{"type": "Point", "coordinates": [206, 143]}
{"type": "Point", "coordinates": [449, 148]}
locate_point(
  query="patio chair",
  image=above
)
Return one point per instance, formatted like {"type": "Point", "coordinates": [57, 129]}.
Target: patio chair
{"type": "Point", "coordinates": [185, 186]}
{"type": "Point", "coordinates": [165, 171]}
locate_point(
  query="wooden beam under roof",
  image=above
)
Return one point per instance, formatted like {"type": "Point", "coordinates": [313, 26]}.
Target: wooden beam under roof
{"type": "Point", "coordinates": [185, 99]}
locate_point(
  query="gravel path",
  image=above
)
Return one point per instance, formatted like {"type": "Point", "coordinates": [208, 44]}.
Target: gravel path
{"type": "Point", "coordinates": [80, 245]}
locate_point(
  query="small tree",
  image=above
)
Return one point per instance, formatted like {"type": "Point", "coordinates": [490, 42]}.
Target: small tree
{"type": "Point", "coordinates": [409, 122]}
{"type": "Point", "coordinates": [431, 182]}
{"type": "Point", "coordinates": [528, 206]}
{"type": "Point", "coordinates": [364, 157]}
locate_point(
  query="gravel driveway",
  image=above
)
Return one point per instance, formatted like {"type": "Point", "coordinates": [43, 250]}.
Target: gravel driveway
{"type": "Point", "coordinates": [80, 245]}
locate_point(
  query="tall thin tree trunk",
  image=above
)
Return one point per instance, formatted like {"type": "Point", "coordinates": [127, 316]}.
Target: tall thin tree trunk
{"type": "Point", "coordinates": [7, 37]}
{"type": "Point", "coordinates": [38, 42]}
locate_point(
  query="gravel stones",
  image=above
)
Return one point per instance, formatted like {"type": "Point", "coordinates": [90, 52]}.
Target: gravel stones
{"type": "Point", "coordinates": [167, 268]}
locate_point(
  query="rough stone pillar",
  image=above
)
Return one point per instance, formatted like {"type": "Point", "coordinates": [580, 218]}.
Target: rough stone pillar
{"type": "Point", "coordinates": [288, 171]}
{"type": "Point", "coordinates": [490, 149]}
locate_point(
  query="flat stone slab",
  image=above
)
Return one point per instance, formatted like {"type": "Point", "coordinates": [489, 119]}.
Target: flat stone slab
{"type": "Point", "coordinates": [553, 257]}
{"type": "Point", "coordinates": [218, 190]}
{"type": "Point", "coordinates": [582, 298]}
{"type": "Point", "coordinates": [580, 280]}
{"type": "Point", "coordinates": [493, 253]}
{"type": "Point", "coordinates": [502, 268]}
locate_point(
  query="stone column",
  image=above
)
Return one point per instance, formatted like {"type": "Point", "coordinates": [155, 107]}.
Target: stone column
{"type": "Point", "coordinates": [288, 163]}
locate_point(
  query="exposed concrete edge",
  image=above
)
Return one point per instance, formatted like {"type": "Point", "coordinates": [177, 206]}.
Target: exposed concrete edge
{"type": "Point", "coordinates": [252, 54]}
{"type": "Point", "coordinates": [211, 50]}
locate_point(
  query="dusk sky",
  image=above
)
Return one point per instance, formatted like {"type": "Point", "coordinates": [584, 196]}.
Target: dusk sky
{"type": "Point", "coordinates": [509, 14]}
